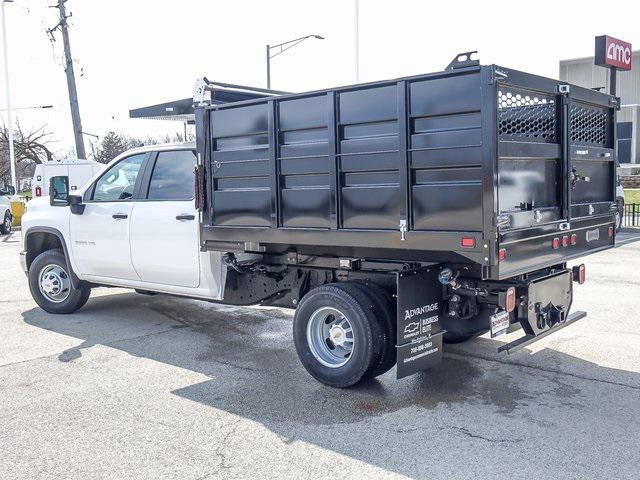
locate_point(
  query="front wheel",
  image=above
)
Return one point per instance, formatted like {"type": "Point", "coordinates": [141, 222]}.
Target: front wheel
{"type": "Point", "coordinates": [5, 227]}
{"type": "Point", "coordinates": [51, 286]}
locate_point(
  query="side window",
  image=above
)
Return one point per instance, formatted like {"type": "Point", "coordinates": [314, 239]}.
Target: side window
{"type": "Point", "coordinates": [172, 177]}
{"type": "Point", "coordinates": [119, 181]}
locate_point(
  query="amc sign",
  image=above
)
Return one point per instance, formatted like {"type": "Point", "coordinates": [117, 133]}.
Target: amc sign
{"type": "Point", "coordinates": [611, 52]}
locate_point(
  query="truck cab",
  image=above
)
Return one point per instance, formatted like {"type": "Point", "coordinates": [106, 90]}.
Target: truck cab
{"type": "Point", "coordinates": [132, 225]}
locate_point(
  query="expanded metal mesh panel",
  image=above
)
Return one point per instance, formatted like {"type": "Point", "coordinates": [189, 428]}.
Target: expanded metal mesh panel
{"type": "Point", "coordinates": [589, 125]}
{"type": "Point", "coordinates": [527, 116]}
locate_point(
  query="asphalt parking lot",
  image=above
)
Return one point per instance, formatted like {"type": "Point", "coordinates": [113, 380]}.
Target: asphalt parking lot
{"type": "Point", "coordinates": [155, 387]}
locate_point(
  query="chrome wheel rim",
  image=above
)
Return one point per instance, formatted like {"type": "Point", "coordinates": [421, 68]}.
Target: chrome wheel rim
{"type": "Point", "coordinates": [54, 283]}
{"type": "Point", "coordinates": [330, 337]}
{"type": "Point", "coordinates": [7, 224]}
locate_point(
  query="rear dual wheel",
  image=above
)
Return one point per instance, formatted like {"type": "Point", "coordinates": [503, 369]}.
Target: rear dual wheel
{"type": "Point", "coordinates": [342, 335]}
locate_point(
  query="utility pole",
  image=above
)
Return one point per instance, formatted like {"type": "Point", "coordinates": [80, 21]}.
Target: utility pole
{"type": "Point", "coordinates": [12, 157]}
{"type": "Point", "coordinates": [71, 80]}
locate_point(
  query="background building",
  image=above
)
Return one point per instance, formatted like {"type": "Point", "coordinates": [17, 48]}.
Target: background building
{"type": "Point", "coordinates": [583, 72]}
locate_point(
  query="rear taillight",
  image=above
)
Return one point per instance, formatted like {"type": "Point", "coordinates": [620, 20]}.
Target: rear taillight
{"type": "Point", "coordinates": [467, 242]}
{"type": "Point", "coordinates": [510, 299]}
{"type": "Point", "coordinates": [574, 239]}
{"type": "Point", "coordinates": [502, 254]}
{"type": "Point", "coordinates": [565, 241]}
{"type": "Point", "coordinates": [38, 192]}
{"type": "Point", "coordinates": [579, 274]}
{"type": "Point", "coordinates": [556, 243]}
{"type": "Point", "coordinates": [610, 231]}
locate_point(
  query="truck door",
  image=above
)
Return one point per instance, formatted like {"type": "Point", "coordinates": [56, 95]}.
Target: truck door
{"type": "Point", "coordinates": [100, 236]}
{"type": "Point", "coordinates": [556, 172]}
{"type": "Point", "coordinates": [591, 140]}
{"type": "Point", "coordinates": [164, 224]}
{"type": "Point", "coordinates": [556, 155]}
{"type": "Point", "coordinates": [530, 156]}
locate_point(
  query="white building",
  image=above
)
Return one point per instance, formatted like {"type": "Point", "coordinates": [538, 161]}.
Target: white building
{"type": "Point", "coordinates": [583, 72]}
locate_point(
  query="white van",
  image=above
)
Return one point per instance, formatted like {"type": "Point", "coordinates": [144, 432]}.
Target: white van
{"type": "Point", "coordinates": [79, 172]}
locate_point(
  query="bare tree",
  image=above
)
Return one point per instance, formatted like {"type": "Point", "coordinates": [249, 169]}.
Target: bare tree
{"type": "Point", "coordinates": [30, 148]}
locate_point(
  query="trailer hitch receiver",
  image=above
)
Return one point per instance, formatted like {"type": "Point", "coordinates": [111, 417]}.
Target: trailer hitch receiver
{"type": "Point", "coordinates": [550, 316]}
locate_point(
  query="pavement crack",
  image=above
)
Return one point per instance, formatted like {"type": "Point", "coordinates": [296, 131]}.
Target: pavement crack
{"type": "Point", "coordinates": [235, 365]}
{"type": "Point", "coordinates": [542, 369]}
{"type": "Point", "coordinates": [470, 434]}
{"type": "Point", "coordinates": [202, 477]}
{"type": "Point", "coordinates": [144, 335]}
{"type": "Point", "coordinates": [220, 453]}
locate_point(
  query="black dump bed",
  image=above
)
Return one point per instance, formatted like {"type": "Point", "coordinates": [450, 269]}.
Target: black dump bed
{"type": "Point", "coordinates": [452, 166]}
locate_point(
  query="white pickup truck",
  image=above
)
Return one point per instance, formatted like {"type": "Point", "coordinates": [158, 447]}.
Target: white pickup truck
{"type": "Point", "coordinates": [139, 229]}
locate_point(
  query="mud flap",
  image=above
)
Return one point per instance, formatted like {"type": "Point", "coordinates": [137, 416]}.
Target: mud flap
{"type": "Point", "coordinates": [419, 330]}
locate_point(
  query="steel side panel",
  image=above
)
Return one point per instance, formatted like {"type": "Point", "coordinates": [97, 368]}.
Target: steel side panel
{"type": "Point", "coordinates": [407, 150]}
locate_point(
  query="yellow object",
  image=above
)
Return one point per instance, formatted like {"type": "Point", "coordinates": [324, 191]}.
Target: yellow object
{"type": "Point", "coordinates": [17, 210]}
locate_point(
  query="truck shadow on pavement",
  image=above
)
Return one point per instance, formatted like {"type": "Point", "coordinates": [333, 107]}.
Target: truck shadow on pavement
{"type": "Point", "coordinates": [255, 374]}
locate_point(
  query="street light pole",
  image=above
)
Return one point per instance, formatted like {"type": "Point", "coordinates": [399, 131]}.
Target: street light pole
{"type": "Point", "coordinates": [357, 40]}
{"type": "Point", "coordinates": [283, 48]}
{"type": "Point", "coordinates": [12, 157]}
{"type": "Point", "coordinates": [268, 68]}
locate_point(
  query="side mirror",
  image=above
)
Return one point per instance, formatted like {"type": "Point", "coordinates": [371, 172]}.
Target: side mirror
{"type": "Point", "coordinates": [76, 205]}
{"type": "Point", "coordinates": [59, 191]}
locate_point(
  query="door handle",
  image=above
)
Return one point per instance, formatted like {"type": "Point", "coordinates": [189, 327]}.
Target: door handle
{"type": "Point", "coordinates": [119, 216]}
{"type": "Point", "coordinates": [185, 216]}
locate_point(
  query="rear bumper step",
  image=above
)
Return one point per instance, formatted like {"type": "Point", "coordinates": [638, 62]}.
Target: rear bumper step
{"type": "Point", "coordinates": [529, 339]}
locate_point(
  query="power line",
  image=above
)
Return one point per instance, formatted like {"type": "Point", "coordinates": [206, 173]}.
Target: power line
{"type": "Point", "coordinates": [63, 26]}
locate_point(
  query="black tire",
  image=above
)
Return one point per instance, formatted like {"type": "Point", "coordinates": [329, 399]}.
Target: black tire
{"type": "Point", "coordinates": [385, 310]}
{"type": "Point", "coordinates": [75, 298]}
{"type": "Point", "coordinates": [5, 227]}
{"type": "Point", "coordinates": [368, 334]}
